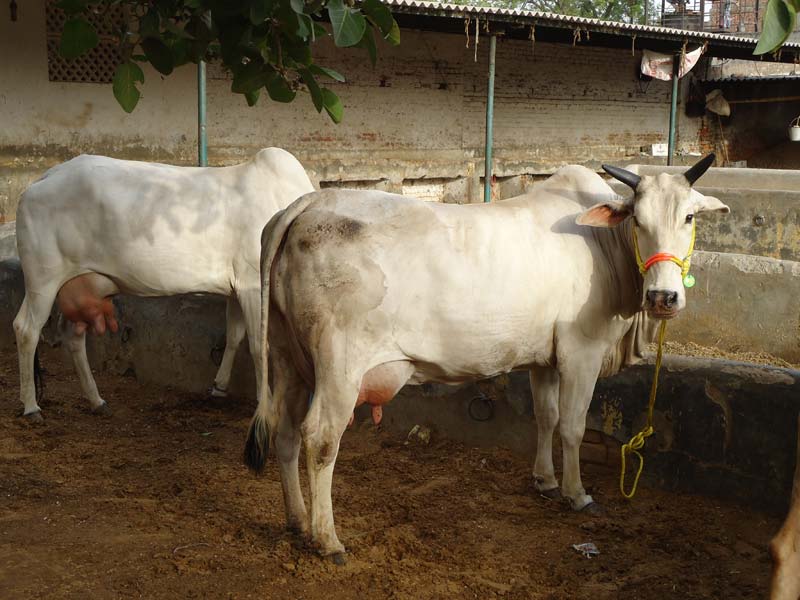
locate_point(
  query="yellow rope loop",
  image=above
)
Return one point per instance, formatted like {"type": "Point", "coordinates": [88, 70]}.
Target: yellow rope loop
{"type": "Point", "coordinates": [636, 443]}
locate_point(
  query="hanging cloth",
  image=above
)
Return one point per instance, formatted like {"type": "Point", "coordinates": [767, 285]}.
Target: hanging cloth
{"type": "Point", "coordinates": [659, 65]}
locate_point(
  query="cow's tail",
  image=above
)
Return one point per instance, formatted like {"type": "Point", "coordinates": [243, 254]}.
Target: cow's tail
{"type": "Point", "coordinates": [257, 445]}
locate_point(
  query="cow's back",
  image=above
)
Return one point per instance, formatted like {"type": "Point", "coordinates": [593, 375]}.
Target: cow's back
{"type": "Point", "coordinates": [153, 226]}
{"type": "Point", "coordinates": [468, 289]}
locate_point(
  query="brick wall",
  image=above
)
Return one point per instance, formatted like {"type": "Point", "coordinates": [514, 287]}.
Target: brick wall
{"type": "Point", "coordinates": [418, 114]}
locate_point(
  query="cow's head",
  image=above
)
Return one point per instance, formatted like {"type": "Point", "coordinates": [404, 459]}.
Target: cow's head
{"type": "Point", "coordinates": [663, 209]}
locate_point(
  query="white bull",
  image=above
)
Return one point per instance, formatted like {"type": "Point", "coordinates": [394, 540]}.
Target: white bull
{"type": "Point", "coordinates": [96, 226]}
{"type": "Point", "coordinates": [364, 292]}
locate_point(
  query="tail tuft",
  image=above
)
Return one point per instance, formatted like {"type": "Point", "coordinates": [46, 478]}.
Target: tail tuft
{"type": "Point", "coordinates": [256, 449]}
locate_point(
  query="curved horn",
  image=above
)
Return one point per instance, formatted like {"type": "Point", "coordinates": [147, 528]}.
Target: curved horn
{"type": "Point", "coordinates": [630, 179]}
{"type": "Point", "coordinates": [698, 169]}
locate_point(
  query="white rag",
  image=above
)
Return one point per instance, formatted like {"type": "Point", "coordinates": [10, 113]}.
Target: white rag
{"type": "Point", "coordinates": [659, 65]}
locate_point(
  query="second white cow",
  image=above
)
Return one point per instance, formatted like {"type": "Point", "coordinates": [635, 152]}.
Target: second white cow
{"type": "Point", "coordinates": [94, 227]}
{"type": "Point", "coordinates": [364, 292]}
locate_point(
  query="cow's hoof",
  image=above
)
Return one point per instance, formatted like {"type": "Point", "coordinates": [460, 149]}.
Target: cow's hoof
{"type": "Point", "coordinates": [593, 509]}
{"type": "Point", "coordinates": [215, 392]}
{"type": "Point", "coordinates": [102, 410]}
{"type": "Point", "coordinates": [338, 558]}
{"type": "Point", "coordinates": [34, 418]}
{"type": "Point", "coordinates": [297, 531]}
{"type": "Point", "coordinates": [551, 494]}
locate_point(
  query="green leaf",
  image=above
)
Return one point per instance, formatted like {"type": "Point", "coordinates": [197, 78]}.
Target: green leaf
{"type": "Point", "coordinates": [72, 7]}
{"type": "Point", "coordinates": [779, 21]}
{"type": "Point", "coordinates": [368, 43]}
{"type": "Point", "coordinates": [304, 27]}
{"type": "Point", "coordinates": [250, 77]}
{"type": "Point", "coordinates": [150, 23]}
{"type": "Point", "coordinates": [125, 78]}
{"type": "Point", "coordinates": [159, 55]}
{"type": "Point", "coordinates": [180, 49]}
{"type": "Point", "coordinates": [298, 6]}
{"type": "Point", "coordinates": [177, 31]}
{"type": "Point", "coordinates": [348, 24]}
{"type": "Point", "coordinates": [259, 11]}
{"type": "Point", "coordinates": [393, 37]}
{"type": "Point", "coordinates": [300, 53]}
{"type": "Point", "coordinates": [333, 106]}
{"type": "Point", "coordinates": [77, 37]}
{"type": "Point", "coordinates": [313, 89]}
{"type": "Point", "coordinates": [279, 90]}
{"type": "Point", "coordinates": [320, 70]}
{"type": "Point", "coordinates": [319, 31]}
{"type": "Point", "coordinates": [252, 97]}
{"type": "Point", "coordinates": [379, 12]}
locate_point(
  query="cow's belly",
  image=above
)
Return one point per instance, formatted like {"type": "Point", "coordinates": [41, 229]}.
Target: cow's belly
{"type": "Point", "coordinates": [163, 264]}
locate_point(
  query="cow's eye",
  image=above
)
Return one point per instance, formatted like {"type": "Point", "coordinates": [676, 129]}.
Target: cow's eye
{"type": "Point", "coordinates": [689, 218]}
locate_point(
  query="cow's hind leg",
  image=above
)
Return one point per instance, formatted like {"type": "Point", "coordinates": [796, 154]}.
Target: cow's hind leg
{"type": "Point", "coordinates": [250, 302]}
{"type": "Point", "coordinates": [544, 385]}
{"type": "Point", "coordinates": [333, 402]}
{"type": "Point", "coordinates": [76, 344]}
{"type": "Point", "coordinates": [290, 397]}
{"type": "Point", "coordinates": [28, 325]}
{"type": "Point", "coordinates": [234, 334]}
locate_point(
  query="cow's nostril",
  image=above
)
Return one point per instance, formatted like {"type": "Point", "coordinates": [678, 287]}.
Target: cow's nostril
{"type": "Point", "coordinates": [652, 296]}
{"type": "Point", "coordinates": [670, 298]}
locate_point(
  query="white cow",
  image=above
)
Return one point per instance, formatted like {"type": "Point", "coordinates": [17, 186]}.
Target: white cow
{"type": "Point", "coordinates": [785, 546]}
{"type": "Point", "coordinates": [364, 292]}
{"type": "Point", "coordinates": [95, 226]}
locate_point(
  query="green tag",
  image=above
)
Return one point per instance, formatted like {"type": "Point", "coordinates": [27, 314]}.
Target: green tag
{"type": "Point", "coordinates": [688, 281]}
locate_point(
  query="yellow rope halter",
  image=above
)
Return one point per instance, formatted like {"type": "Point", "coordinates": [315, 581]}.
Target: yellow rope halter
{"type": "Point", "coordinates": [636, 443]}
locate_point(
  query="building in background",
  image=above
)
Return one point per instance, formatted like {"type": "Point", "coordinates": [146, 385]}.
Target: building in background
{"type": "Point", "coordinates": [567, 90]}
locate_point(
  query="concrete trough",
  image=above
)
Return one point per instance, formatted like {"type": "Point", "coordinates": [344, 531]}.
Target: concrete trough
{"type": "Point", "coordinates": [723, 428]}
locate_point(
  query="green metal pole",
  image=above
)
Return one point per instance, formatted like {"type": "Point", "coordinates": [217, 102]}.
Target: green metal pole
{"type": "Point", "coordinates": [487, 171]}
{"type": "Point", "coordinates": [202, 143]}
{"type": "Point", "coordinates": [673, 108]}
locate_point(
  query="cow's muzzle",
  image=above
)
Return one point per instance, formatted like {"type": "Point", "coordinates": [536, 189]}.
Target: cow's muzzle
{"type": "Point", "coordinates": [662, 304]}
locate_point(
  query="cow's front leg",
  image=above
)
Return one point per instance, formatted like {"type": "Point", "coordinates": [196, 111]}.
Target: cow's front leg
{"type": "Point", "coordinates": [322, 430]}
{"type": "Point", "coordinates": [578, 378]}
{"type": "Point", "coordinates": [544, 385]}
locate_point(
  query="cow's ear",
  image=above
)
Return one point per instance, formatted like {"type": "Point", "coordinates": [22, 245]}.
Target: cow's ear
{"type": "Point", "coordinates": [704, 203]}
{"type": "Point", "coordinates": [605, 214]}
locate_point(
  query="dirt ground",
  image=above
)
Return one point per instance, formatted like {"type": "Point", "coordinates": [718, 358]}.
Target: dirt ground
{"type": "Point", "coordinates": [153, 502]}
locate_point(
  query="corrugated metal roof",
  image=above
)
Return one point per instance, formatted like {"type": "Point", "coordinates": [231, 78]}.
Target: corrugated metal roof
{"type": "Point", "coordinates": [440, 9]}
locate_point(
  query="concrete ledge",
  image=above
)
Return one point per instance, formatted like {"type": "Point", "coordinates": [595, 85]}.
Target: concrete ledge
{"type": "Point", "coordinates": [742, 303]}
{"type": "Point", "coordinates": [761, 222]}
{"type": "Point", "coordinates": [728, 178]}
{"type": "Point", "coordinates": [722, 428]}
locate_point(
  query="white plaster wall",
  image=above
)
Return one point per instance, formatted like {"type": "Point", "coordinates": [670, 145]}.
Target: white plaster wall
{"type": "Point", "coordinates": [418, 114]}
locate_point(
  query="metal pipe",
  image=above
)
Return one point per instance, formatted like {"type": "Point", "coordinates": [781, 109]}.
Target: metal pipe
{"type": "Point", "coordinates": [487, 171]}
{"type": "Point", "coordinates": [673, 107]}
{"type": "Point", "coordinates": [702, 15]}
{"type": "Point", "coordinates": [202, 142]}
{"type": "Point", "coordinates": [756, 24]}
